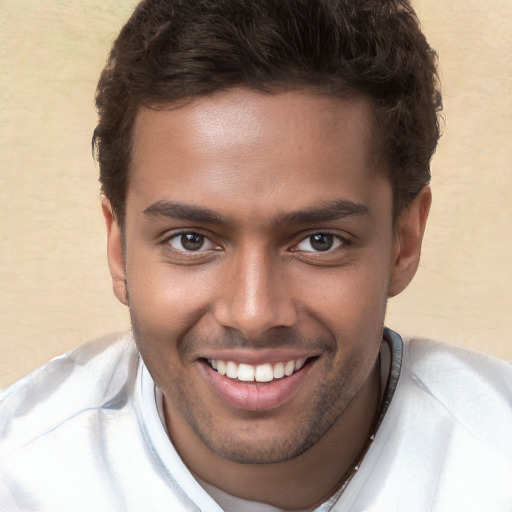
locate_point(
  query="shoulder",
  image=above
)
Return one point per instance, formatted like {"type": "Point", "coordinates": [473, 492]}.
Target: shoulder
{"type": "Point", "coordinates": [440, 363]}
{"type": "Point", "coordinates": [446, 441]}
{"type": "Point", "coordinates": [88, 377]}
{"type": "Point", "coordinates": [472, 388]}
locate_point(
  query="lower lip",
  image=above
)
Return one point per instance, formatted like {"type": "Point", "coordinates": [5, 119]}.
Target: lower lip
{"type": "Point", "coordinates": [256, 396]}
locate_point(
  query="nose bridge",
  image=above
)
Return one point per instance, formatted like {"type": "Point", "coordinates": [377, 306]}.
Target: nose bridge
{"type": "Point", "coordinates": [253, 298]}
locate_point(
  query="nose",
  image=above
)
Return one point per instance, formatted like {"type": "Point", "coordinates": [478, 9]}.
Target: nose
{"type": "Point", "coordinates": [254, 296]}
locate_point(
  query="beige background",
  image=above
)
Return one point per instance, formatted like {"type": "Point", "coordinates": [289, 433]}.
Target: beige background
{"type": "Point", "coordinates": [54, 284]}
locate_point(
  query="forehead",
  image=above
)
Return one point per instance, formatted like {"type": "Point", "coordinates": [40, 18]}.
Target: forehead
{"type": "Point", "coordinates": [255, 149]}
{"type": "Point", "coordinates": [247, 116]}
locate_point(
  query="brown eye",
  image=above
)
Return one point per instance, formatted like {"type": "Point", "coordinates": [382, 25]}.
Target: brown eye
{"type": "Point", "coordinates": [319, 242]}
{"type": "Point", "coordinates": [322, 242]}
{"type": "Point", "coordinates": [190, 242]}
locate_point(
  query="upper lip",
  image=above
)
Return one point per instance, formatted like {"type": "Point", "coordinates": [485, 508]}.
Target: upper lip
{"type": "Point", "coordinates": [257, 357]}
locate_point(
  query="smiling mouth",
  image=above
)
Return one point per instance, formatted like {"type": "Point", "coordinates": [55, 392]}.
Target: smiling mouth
{"type": "Point", "coordinates": [266, 372]}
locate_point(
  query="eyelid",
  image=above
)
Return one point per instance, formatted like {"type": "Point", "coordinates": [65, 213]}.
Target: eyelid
{"type": "Point", "coordinates": [184, 253]}
{"type": "Point", "coordinates": [337, 242]}
{"type": "Point", "coordinates": [177, 237]}
{"type": "Point", "coordinates": [343, 240]}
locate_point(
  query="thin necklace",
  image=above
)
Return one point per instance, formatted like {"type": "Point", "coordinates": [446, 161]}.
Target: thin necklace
{"type": "Point", "coordinates": [395, 344]}
{"type": "Point", "coordinates": [342, 483]}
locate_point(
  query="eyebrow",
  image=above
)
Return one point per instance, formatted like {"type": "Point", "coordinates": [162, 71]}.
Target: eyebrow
{"type": "Point", "coordinates": [181, 211]}
{"type": "Point", "coordinates": [328, 211]}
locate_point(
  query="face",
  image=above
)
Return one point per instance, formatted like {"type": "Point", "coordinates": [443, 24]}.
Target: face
{"type": "Point", "coordinates": [259, 258]}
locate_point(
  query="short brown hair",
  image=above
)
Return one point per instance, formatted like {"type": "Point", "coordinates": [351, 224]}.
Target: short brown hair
{"type": "Point", "coordinates": [172, 49]}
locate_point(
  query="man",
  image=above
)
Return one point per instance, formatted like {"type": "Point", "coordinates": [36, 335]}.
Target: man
{"type": "Point", "coordinates": [265, 170]}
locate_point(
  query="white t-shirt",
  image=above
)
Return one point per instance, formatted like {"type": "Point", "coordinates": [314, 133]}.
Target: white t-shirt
{"type": "Point", "coordinates": [84, 433]}
{"type": "Point", "coordinates": [152, 410]}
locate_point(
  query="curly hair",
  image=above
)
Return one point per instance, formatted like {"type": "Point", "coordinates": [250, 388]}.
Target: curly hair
{"type": "Point", "coordinates": [174, 49]}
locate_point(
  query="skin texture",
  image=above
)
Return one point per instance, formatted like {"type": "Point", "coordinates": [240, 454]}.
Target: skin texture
{"type": "Point", "coordinates": [251, 178]}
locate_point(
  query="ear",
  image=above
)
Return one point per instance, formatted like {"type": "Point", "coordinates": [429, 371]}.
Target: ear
{"type": "Point", "coordinates": [115, 252]}
{"type": "Point", "coordinates": [408, 239]}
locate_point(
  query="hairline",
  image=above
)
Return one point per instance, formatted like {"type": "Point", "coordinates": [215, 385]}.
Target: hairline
{"type": "Point", "coordinates": [380, 161]}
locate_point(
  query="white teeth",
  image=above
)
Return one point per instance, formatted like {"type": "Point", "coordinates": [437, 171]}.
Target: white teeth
{"type": "Point", "coordinates": [289, 368]}
{"type": "Point", "coordinates": [263, 373]}
{"type": "Point", "coordinates": [221, 367]}
{"type": "Point", "coordinates": [246, 372]}
{"type": "Point", "coordinates": [231, 370]}
{"type": "Point", "coordinates": [279, 371]}
{"type": "Point", "coordinates": [260, 373]}
{"type": "Point", "coordinates": [299, 364]}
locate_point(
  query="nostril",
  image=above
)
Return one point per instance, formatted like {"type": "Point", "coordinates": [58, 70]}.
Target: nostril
{"type": "Point", "coordinates": [253, 321]}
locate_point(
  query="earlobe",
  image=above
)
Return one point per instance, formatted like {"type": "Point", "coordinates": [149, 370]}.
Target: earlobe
{"type": "Point", "coordinates": [408, 240]}
{"type": "Point", "coordinates": [115, 252]}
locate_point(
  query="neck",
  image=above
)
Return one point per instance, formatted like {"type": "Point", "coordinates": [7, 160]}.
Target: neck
{"type": "Point", "coordinates": [300, 483]}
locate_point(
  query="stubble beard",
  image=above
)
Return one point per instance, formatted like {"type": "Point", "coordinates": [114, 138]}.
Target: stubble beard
{"type": "Point", "coordinates": [310, 428]}
{"type": "Point", "coordinates": [331, 399]}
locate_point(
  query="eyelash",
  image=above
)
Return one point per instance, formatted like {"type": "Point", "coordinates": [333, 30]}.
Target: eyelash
{"type": "Point", "coordinates": [338, 241]}
{"type": "Point", "coordinates": [199, 253]}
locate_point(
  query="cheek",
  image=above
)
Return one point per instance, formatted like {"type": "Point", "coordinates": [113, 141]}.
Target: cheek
{"type": "Point", "coordinates": [356, 292]}
{"type": "Point", "coordinates": [165, 297]}
{"type": "Point", "coordinates": [164, 306]}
